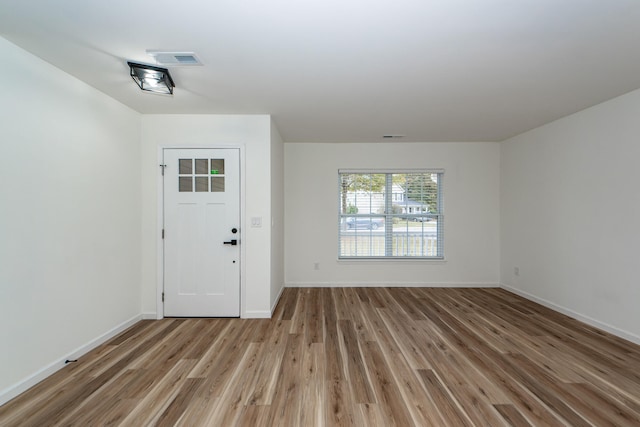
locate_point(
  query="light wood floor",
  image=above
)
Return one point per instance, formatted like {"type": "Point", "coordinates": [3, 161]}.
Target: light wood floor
{"type": "Point", "coordinates": [356, 356]}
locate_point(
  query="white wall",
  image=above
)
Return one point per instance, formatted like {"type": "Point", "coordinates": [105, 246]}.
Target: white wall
{"type": "Point", "coordinates": [69, 217]}
{"type": "Point", "coordinates": [471, 209]}
{"type": "Point", "coordinates": [253, 134]}
{"type": "Point", "coordinates": [571, 214]}
{"type": "Point", "coordinates": [277, 216]}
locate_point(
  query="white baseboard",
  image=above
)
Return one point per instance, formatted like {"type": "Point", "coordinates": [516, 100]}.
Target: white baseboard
{"type": "Point", "coordinates": [150, 316]}
{"type": "Point", "coordinates": [275, 302]}
{"type": "Point", "coordinates": [390, 285]}
{"type": "Point", "coordinates": [22, 386]}
{"type": "Point", "coordinates": [263, 314]}
{"type": "Point", "coordinates": [578, 316]}
{"type": "Point", "coordinates": [257, 314]}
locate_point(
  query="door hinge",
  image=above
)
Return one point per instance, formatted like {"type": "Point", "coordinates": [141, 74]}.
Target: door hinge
{"type": "Point", "coordinates": [163, 297]}
{"type": "Point", "coordinates": [163, 233]}
{"type": "Point", "coordinates": [162, 168]}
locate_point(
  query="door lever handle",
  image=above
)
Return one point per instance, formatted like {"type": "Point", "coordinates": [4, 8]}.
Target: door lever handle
{"type": "Point", "coordinates": [233, 242]}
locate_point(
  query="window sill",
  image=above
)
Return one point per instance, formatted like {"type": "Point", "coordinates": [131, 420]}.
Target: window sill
{"type": "Point", "coordinates": [383, 259]}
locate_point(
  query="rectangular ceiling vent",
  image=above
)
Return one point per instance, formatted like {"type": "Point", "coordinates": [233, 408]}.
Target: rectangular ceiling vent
{"type": "Point", "coordinates": [174, 58]}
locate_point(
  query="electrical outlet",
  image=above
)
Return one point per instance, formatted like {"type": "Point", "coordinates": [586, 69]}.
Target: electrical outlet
{"type": "Point", "coordinates": [316, 266]}
{"type": "Point", "coordinates": [516, 271]}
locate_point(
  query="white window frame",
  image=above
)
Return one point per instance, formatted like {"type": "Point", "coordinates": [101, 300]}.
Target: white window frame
{"type": "Point", "coordinates": [389, 215]}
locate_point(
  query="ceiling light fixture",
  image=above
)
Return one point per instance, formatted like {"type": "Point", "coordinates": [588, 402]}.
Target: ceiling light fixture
{"type": "Point", "coordinates": [152, 79]}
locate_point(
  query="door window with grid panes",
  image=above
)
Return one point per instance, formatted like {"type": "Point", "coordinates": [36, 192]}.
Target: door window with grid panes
{"type": "Point", "coordinates": [201, 175]}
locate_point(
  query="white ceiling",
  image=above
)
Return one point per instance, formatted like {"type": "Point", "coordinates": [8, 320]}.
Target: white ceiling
{"type": "Point", "coordinates": [351, 70]}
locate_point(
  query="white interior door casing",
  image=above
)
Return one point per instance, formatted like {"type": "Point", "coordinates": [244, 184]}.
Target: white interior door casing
{"type": "Point", "coordinates": [201, 212]}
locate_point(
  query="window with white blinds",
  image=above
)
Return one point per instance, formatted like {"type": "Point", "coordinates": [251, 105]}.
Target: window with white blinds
{"type": "Point", "coordinates": [391, 214]}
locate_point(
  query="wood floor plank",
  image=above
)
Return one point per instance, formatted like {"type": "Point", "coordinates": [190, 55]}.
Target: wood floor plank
{"type": "Point", "coordinates": [474, 393]}
{"type": "Point", "coordinates": [133, 331]}
{"type": "Point", "coordinates": [334, 365]}
{"type": "Point", "coordinates": [225, 345]}
{"type": "Point", "coordinates": [406, 299]}
{"type": "Point", "coordinates": [421, 406]}
{"type": "Point", "coordinates": [314, 332]}
{"type": "Point", "coordinates": [180, 403]}
{"type": "Point", "coordinates": [199, 410]}
{"type": "Point", "coordinates": [287, 404]}
{"type": "Point", "coordinates": [230, 409]}
{"type": "Point", "coordinates": [68, 399]}
{"type": "Point", "coordinates": [103, 401]}
{"type": "Point", "coordinates": [341, 304]}
{"type": "Point", "coordinates": [356, 305]}
{"type": "Point", "coordinates": [210, 330]}
{"type": "Point", "coordinates": [371, 415]}
{"type": "Point", "coordinates": [494, 364]}
{"type": "Point", "coordinates": [505, 337]}
{"type": "Point", "coordinates": [172, 346]}
{"type": "Point", "coordinates": [340, 411]}
{"type": "Point", "coordinates": [388, 397]}
{"type": "Point", "coordinates": [262, 388]}
{"type": "Point", "coordinates": [288, 303]}
{"type": "Point", "coordinates": [375, 297]}
{"type": "Point", "coordinates": [312, 381]}
{"type": "Point", "coordinates": [354, 365]}
{"type": "Point", "coordinates": [404, 332]}
{"type": "Point", "coordinates": [594, 368]}
{"type": "Point", "coordinates": [153, 405]}
{"type": "Point", "coordinates": [512, 415]}
{"type": "Point", "coordinates": [615, 347]}
{"type": "Point", "coordinates": [522, 371]}
{"type": "Point", "coordinates": [614, 411]}
{"type": "Point", "coordinates": [488, 362]}
{"type": "Point", "coordinates": [447, 406]}
{"type": "Point", "coordinates": [44, 395]}
{"type": "Point", "coordinates": [149, 337]}
{"type": "Point", "coordinates": [351, 357]}
{"type": "Point", "coordinates": [251, 416]}
{"type": "Point", "coordinates": [299, 318]}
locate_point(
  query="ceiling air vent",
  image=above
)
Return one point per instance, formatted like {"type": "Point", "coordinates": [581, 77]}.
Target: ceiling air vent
{"type": "Point", "coordinates": [174, 58]}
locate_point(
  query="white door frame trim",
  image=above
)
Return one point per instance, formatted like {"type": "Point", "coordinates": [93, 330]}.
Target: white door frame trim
{"type": "Point", "coordinates": [160, 222]}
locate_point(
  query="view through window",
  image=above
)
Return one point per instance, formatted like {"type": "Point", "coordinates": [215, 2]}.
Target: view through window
{"type": "Point", "coordinates": [391, 214]}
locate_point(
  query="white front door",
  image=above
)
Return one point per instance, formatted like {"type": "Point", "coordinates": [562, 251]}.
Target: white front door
{"type": "Point", "coordinates": [201, 232]}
